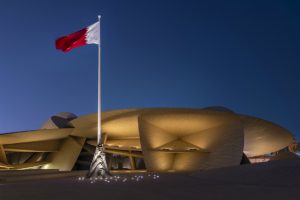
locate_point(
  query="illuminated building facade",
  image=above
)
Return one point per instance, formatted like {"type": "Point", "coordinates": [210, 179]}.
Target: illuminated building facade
{"type": "Point", "coordinates": [155, 139]}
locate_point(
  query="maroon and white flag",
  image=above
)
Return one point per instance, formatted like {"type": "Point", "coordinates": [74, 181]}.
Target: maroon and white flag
{"type": "Point", "coordinates": [88, 35]}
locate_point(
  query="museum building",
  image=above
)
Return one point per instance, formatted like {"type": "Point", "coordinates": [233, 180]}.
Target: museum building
{"type": "Point", "coordinates": [148, 140]}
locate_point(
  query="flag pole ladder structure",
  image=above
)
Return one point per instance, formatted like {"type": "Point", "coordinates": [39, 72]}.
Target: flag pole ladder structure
{"type": "Point", "coordinates": [99, 166]}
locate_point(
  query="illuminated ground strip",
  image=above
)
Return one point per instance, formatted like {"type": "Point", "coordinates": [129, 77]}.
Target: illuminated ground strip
{"type": "Point", "coordinates": [118, 178]}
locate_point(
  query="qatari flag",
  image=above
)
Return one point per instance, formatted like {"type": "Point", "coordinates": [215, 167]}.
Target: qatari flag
{"type": "Point", "coordinates": [89, 35]}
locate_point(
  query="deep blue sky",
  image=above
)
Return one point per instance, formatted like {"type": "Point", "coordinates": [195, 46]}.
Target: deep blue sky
{"type": "Point", "coordinates": [243, 55]}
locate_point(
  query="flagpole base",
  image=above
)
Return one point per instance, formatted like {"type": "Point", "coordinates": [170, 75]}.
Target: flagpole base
{"type": "Point", "coordinates": [98, 166]}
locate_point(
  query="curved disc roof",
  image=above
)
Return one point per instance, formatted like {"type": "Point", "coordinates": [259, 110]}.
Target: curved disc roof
{"type": "Point", "coordinates": [261, 136]}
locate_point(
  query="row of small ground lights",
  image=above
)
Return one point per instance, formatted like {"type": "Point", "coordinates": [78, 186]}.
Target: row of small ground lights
{"type": "Point", "coordinates": [119, 178]}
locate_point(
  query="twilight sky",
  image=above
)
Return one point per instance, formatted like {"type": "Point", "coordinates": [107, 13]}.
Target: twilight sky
{"type": "Point", "coordinates": [243, 55]}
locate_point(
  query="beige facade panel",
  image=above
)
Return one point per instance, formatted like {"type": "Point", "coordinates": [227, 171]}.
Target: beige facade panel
{"type": "Point", "coordinates": [22, 166]}
{"type": "Point", "coordinates": [263, 137]}
{"type": "Point", "coordinates": [88, 132]}
{"type": "Point", "coordinates": [34, 136]}
{"type": "Point", "coordinates": [3, 158]}
{"type": "Point", "coordinates": [89, 120]}
{"type": "Point", "coordinates": [181, 140]}
{"type": "Point", "coordinates": [40, 146]}
{"type": "Point", "coordinates": [66, 157]}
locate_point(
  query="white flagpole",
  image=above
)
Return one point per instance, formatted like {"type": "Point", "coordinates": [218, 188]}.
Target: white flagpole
{"type": "Point", "coordinates": [99, 84]}
{"type": "Point", "coordinates": [99, 166]}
